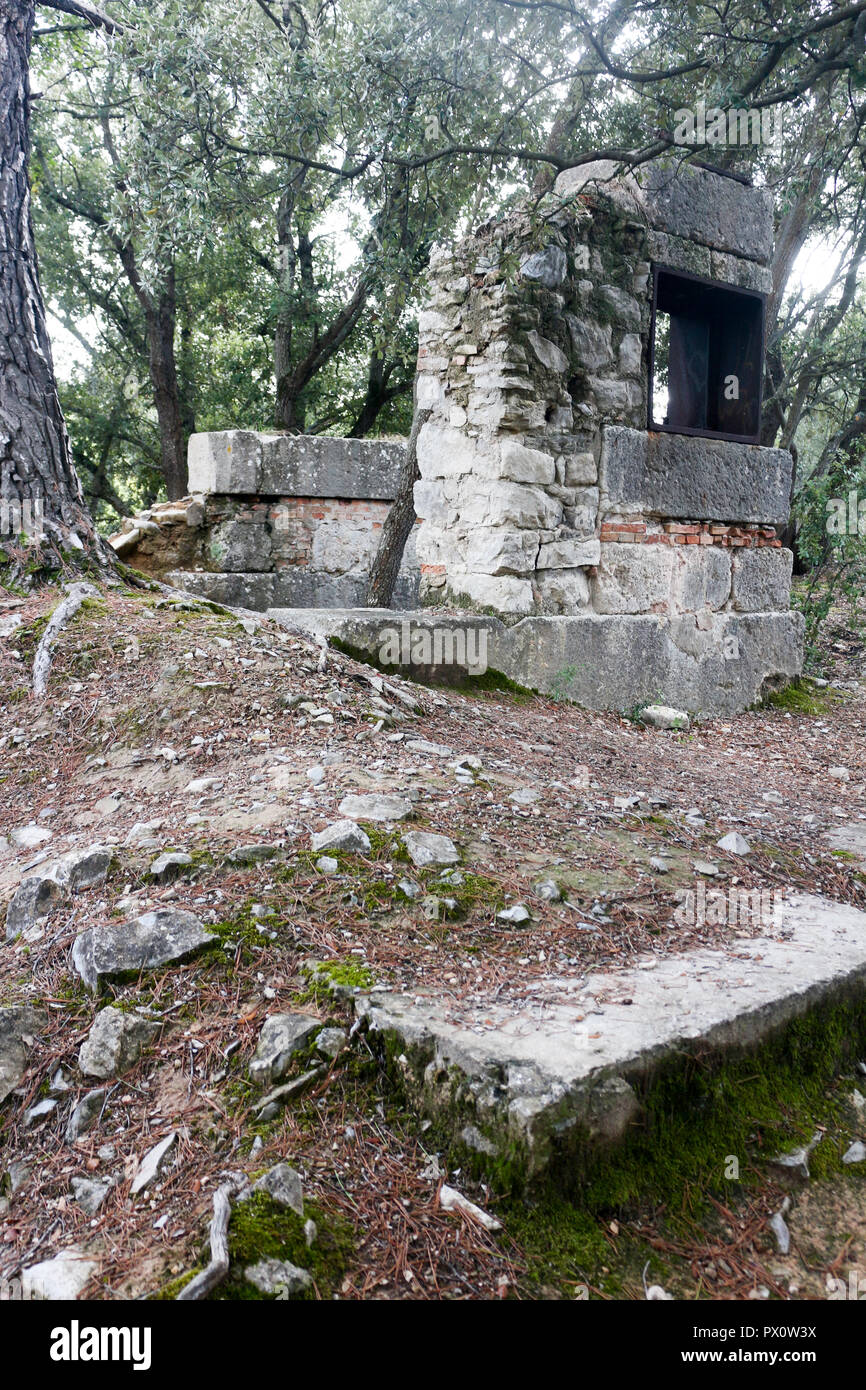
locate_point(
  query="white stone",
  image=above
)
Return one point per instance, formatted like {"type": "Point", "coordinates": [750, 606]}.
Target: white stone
{"type": "Point", "coordinates": [373, 806]}
{"type": "Point", "coordinates": [427, 848]}
{"type": "Point", "coordinates": [568, 553]}
{"type": "Point", "coordinates": [60, 1279]}
{"type": "Point", "coordinates": [514, 504]}
{"type": "Point", "coordinates": [500, 550]}
{"type": "Point", "coordinates": [633, 578]}
{"type": "Point", "coordinates": [630, 359]}
{"type": "Point", "coordinates": [734, 843]}
{"type": "Point", "coordinates": [444, 452]}
{"type": "Point", "coordinates": [342, 835]}
{"type": "Point", "coordinates": [519, 464]}
{"type": "Point", "coordinates": [664, 717]}
{"type": "Point", "coordinates": [566, 591]}
{"type": "Point", "coordinates": [580, 470]}
{"type": "Point", "coordinates": [502, 593]}
{"type": "Point", "coordinates": [29, 836]}
{"type": "Point", "coordinates": [153, 1163]}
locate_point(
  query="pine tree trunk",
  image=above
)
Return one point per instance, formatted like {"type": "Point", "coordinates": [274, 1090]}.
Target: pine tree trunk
{"type": "Point", "coordinates": [35, 458]}
{"type": "Point", "coordinates": [398, 524]}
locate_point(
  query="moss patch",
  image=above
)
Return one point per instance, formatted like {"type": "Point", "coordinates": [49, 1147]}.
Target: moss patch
{"type": "Point", "coordinates": [260, 1229]}
{"type": "Point", "coordinates": [804, 697]}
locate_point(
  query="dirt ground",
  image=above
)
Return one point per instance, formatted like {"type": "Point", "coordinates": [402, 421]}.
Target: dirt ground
{"type": "Point", "coordinates": [149, 694]}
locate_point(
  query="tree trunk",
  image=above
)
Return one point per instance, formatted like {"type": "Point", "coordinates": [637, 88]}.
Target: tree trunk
{"type": "Point", "coordinates": [398, 524]}
{"type": "Point", "coordinates": [163, 376]}
{"type": "Point", "coordinates": [35, 458]}
{"type": "Point", "coordinates": [376, 397]}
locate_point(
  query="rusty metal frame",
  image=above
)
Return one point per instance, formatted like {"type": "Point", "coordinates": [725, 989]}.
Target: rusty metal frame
{"type": "Point", "coordinates": [761, 298]}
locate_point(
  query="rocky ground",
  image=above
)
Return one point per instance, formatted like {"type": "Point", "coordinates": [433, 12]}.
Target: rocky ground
{"type": "Point", "coordinates": [185, 773]}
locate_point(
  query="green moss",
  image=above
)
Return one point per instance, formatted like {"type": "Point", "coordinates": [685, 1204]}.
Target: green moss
{"type": "Point", "coordinates": [698, 1114]}
{"type": "Point", "coordinates": [802, 696]}
{"type": "Point", "coordinates": [170, 1291]}
{"type": "Point", "coordinates": [495, 683]}
{"type": "Point", "coordinates": [260, 1229]}
{"type": "Point", "coordinates": [349, 972]}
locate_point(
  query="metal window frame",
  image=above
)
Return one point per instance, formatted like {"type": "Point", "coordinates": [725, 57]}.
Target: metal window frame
{"type": "Point", "coordinates": [658, 267]}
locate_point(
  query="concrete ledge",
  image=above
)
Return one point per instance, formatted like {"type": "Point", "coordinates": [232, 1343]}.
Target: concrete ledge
{"type": "Point", "coordinates": [246, 462]}
{"type": "Point", "coordinates": [534, 1082]}
{"type": "Point", "coordinates": [601, 661]}
{"type": "Point", "coordinates": [296, 586]}
{"type": "Point", "coordinates": [688, 478]}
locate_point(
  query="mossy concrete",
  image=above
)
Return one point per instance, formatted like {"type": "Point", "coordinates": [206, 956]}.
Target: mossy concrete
{"type": "Point", "coordinates": [538, 1083]}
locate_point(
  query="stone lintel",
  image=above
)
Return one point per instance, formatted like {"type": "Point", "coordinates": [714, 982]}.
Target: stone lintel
{"type": "Point", "coordinates": [692, 478]}
{"type": "Point", "coordinates": [246, 462]}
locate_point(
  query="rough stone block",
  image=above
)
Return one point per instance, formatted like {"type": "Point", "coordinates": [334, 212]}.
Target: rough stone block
{"type": "Point", "coordinates": [245, 462]}
{"type": "Point", "coordinates": [631, 355]}
{"type": "Point", "coordinates": [633, 579]}
{"type": "Point", "coordinates": [708, 208]}
{"type": "Point", "coordinates": [241, 546]}
{"type": "Point", "coordinates": [591, 342]}
{"type": "Point", "coordinates": [502, 593]}
{"type": "Point", "coordinates": [500, 550]}
{"type": "Point", "coordinates": [518, 464]}
{"type": "Point", "coordinates": [504, 504]}
{"type": "Point", "coordinates": [678, 475]}
{"type": "Point", "coordinates": [625, 309]}
{"type": "Point", "coordinates": [679, 254]}
{"type": "Point", "coordinates": [224, 461]}
{"type": "Point", "coordinates": [254, 591]}
{"type": "Point", "coordinates": [548, 354]}
{"type": "Point", "coordinates": [549, 267]}
{"type": "Point", "coordinates": [562, 590]}
{"type": "Point", "coordinates": [432, 504]}
{"type": "Point", "coordinates": [568, 552]}
{"type": "Point", "coordinates": [580, 469]}
{"type": "Point", "coordinates": [762, 580]}
{"type": "Point", "coordinates": [444, 452]}
{"type": "Point", "coordinates": [703, 577]}
{"type": "Point", "coordinates": [617, 661]}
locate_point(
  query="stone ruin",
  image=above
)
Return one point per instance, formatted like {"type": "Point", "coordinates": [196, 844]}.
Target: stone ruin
{"type": "Point", "coordinates": [274, 520]}
{"type": "Point", "coordinates": [594, 501]}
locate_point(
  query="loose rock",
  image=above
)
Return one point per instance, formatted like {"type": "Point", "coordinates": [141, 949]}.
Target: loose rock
{"type": "Point", "coordinates": [664, 717]}
{"type": "Point", "coordinates": [375, 807]}
{"type": "Point", "coordinates": [157, 938]}
{"type": "Point", "coordinates": [153, 1163]}
{"type": "Point", "coordinates": [19, 1028]}
{"type": "Point", "coordinates": [281, 1037]}
{"type": "Point", "coordinates": [278, 1277]}
{"type": "Point", "coordinates": [426, 848]}
{"type": "Point", "coordinates": [115, 1043]}
{"type": "Point", "coordinates": [60, 1279]}
{"type": "Point", "coordinates": [343, 835]}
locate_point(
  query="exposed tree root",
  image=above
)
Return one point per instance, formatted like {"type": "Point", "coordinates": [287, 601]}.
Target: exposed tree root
{"type": "Point", "coordinates": [63, 613]}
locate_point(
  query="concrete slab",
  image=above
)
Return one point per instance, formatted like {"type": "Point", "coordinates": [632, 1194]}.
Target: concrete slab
{"type": "Point", "coordinates": [555, 1072]}
{"type": "Point", "coordinates": [600, 661]}
{"type": "Point", "coordinates": [851, 838]}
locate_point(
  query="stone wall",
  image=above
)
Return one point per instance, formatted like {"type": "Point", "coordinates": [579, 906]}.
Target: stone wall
{"type": "Point", "coordinates": [275, 521]}
{"type": "Point", "coordinates": [537, 466]}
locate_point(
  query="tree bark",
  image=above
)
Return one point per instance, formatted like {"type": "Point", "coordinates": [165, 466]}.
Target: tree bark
{"type": "Point", "coordinates": [163, 375]}
{"type": "Point", "coordinates": [35, 458]}
{"type": "Point", "coordinates": [398, 524]}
